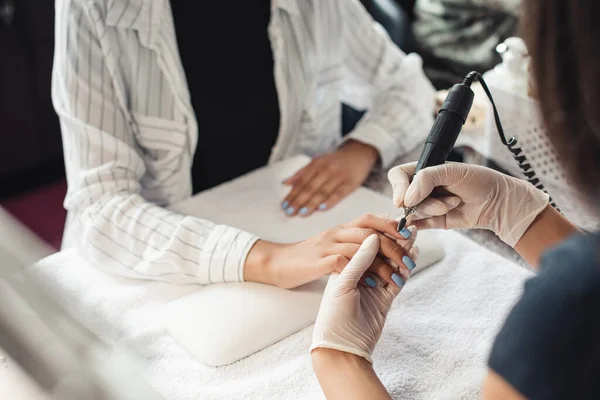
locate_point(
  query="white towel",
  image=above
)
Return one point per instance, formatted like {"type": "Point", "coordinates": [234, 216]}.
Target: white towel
{"type": "Point", "coordinates": [434, 346]}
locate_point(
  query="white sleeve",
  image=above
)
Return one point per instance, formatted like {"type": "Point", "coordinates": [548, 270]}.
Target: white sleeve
{"type": "Point", "coordinates": [391, 84]}
{"type": "Point", "coordinates": [110, 222]}
{"type": "Point", "coordinates": [507, 6]}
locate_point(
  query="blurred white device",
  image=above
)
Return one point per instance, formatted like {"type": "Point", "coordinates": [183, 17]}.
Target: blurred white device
{"type": "Point", "coordinates": [222, 323]}
{"type": "Point", "coordinates": [44, 353]}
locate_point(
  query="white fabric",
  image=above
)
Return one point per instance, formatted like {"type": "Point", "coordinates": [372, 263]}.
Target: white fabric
{"type": "Point", "coordinates": [434, 345]}
{"type": "Point", "coordinates": [352, 316]}
{"type": "Point", "coordinates": [129, 131]}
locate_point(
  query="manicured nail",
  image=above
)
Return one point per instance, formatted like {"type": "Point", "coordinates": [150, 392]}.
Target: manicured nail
{"type": "Point", "coordinates": [304, 210]}
{"type": "Point", "coordinates": [410, 264]}
{"type": "Point", "coordinates": [322, 206]}
{"type": "Point", "coordinates": [398, 280]}
{"type": "Point", "coordinates": [290, 210]}
{"type": "Point", "coordinates": [285, 205]}
{"type": "Point", "coordinates": [405, 233]}
{"type": "Point", "coordinates": [370, 282]}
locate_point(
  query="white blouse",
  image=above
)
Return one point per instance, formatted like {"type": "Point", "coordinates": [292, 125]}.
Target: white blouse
{"type": "Point", "coordinates": [129, 130]}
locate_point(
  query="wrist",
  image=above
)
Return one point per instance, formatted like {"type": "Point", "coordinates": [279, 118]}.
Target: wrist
{"type": "Point", "coordinates": [258, 266]}
{"type": "Point", "coordinates": [548, 229]}
{"type": "Point", "coordinates": [346, 376]}
{"type": "Point", "coordinates": [324, 359]}
{"type": "Point", "coordinates": [370, 153]}
{"type": "Point", "coordinates": [521, 207]}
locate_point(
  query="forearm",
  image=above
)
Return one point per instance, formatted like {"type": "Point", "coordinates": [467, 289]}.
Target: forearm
{"type": "Point", "coordinates": [496, 388]}
{"type": "Point", "coordinates": [547, 230]}
{"type": "Point", "coordinates": [346, 376]}
{"type": "Point", "coordinates": [127, 236]}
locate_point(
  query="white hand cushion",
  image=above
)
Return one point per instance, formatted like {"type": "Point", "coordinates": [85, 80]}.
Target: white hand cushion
{"type": "Point", "coordinates": [225, 322]}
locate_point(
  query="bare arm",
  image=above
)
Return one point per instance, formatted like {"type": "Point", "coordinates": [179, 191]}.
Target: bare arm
{"type": "Point", "coordinates": [346, 376]}
{"type": "Point", "coordinates": [547, 230]}
{"type": "Point", "coordinates": [496, 388]}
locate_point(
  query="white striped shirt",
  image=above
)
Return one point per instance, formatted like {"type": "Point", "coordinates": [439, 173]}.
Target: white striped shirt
{"type": "Point", "coordinates": [129, 130]}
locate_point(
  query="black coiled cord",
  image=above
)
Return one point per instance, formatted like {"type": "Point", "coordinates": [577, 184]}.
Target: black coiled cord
{"type": "Point", "coordinates": [511, 144]}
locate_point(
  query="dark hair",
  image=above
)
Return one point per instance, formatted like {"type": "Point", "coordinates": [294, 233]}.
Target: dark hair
{"type": "Point", "coordinates": [563, 37]}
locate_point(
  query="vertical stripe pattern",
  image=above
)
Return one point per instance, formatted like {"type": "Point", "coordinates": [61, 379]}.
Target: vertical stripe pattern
{"type": "Point", "coordinates": [129, 131]}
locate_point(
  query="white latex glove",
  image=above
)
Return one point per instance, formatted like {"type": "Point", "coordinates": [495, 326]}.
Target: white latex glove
{"type": "Point", "coordinates": [352, 316]}
{"type": "Point", "coordinates": [472, 197]}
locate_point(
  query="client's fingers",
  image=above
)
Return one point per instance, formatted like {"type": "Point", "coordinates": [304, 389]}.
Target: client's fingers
{"type": "Point", "coordinates": [299, 182]}
{"type": "Point", "coordinates": [337, 195]}
{"type": "Point", "coordinates": [299, 176]}
{"type": "Point", "coordinates": [379, 267]}
{"type": "Point", "coordinates": [378, 223]}
{"type": "Point", "coordinates": [411, 232]}
{"type": "Point", "coordinates": [386, 273]}
{"type": "Point", "coordinates": [388, 247]}
{"type": "Point", "coordinates": [414, 252]}
{"type": "Point", "coordinates": [372, 281]}
{"type": "Point", "coordinates": [299, 199]}
{"type": "Point", "coordinates": [357, 266]}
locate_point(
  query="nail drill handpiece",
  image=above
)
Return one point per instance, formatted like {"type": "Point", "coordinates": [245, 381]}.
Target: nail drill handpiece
{"type": "Point", "coordinates": [444, 132]}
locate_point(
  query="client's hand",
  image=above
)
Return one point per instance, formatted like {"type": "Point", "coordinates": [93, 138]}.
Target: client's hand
{"type": "Point", "coordinates": [351, 316]}
{"type": "Point", "coordinates": [473, 197]}
{"type": "Point", "coordinates": [291, 265]}
{"type": "Point", "coordinates": [328, 179]}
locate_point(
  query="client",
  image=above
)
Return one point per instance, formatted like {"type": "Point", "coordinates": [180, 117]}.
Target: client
{"type": "Point", "coordinates": [161, 99]}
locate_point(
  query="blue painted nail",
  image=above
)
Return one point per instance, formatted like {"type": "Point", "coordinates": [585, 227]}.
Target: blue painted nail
{"type": "Point", "coordinates": [323, 206]}
{"type": "Point", "coordinates": [304, 210]}
{"type": "Point", "coordinates": [405, 233]}
{"type": "Point", "coordinates": [290, 210]}
{"type": "Point", "coordinates": [285, 205]}
{"type": "Point", "coordinates": [410, 264]}
{"type": "Point", "coordinates": [398, 279]}
{"type": "Point", "coordinates": [370, 282]}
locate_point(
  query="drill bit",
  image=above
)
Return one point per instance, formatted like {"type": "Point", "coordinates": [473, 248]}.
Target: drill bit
{"type": "Point", "coordinates": [402, 222]}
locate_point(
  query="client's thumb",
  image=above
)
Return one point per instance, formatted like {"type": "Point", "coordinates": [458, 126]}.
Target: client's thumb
{"type": "Point", "coordinates": [361, 261]}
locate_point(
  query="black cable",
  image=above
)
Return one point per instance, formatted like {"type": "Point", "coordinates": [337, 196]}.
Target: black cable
{"type": "Point", "coordinates": [512, 143]}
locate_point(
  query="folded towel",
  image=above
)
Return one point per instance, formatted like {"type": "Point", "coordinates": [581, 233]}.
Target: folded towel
{"type": "Point", "coordinates": [434, 345]}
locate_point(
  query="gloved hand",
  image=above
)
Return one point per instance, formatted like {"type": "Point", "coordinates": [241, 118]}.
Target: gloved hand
{"type": "Point", "coordinates": [352, 316]}
{"type": "Point", "coordinates": [473, 197]}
